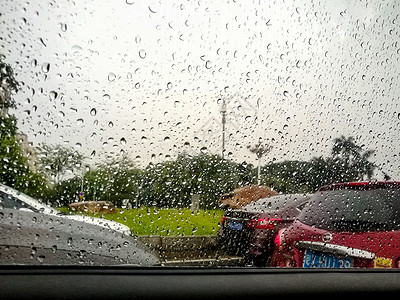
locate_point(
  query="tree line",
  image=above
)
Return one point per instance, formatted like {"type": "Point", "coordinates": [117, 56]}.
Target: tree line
{"type": "Point", "coordinates": [174, 183]}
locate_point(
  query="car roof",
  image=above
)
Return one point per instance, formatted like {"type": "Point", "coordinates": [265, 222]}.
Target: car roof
{"type": "Point", "coordinates": [278, 201]}
{"type": "Point", "coordinates": [362, 185]}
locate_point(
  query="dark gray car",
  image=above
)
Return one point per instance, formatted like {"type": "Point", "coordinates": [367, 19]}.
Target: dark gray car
{"type": "Point", "coordinates": [250, 231]}
{"type": "Point", "coordinates": [35, 238]}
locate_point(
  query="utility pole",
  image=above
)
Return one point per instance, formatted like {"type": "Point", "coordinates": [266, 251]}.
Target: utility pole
{"type": "Point", "coordinates": [223, 112]}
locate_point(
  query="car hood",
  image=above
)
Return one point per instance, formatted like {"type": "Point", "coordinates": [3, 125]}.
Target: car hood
{"type": "Point", "coordinates": [100, 222]}
{"type": "Point", "coordinates": [35, 238]}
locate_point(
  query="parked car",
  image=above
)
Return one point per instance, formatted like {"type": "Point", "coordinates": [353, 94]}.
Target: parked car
{"type": "Point", "coordinates": [250, 231]}
{"type": "Point", "coordinates": [11, 198]}
{"type": "Point", "coordinates": [35, 238]}
{"type": "Point", "coordinates": [344, 225]}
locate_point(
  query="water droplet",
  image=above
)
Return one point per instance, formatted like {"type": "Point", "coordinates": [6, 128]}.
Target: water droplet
{"type": "Point", "coordinates": [93, 111]}
{"type": "Point", "coordinates": [169, 85]}
{"type": "Point", "coordinates": [122, 141]}
{"type": "Point", "coordinates": [78, 145]}
{"type": "Point", "coordinates": [46, 67]}
{"type": "Point", "coordinates": [208, 64]}
{"type": "Point", "coordinates": [111, 76]}
{"type": "Point", "coordinates": [53, 95]}
{"type": "Point", "coordinates": [93, 154]}
{"type": "Point", "coordinates": [63, 27]}
{"type": "Point", "coordinates": [110, 124]}
{"type": "Point", "coordinates": [42, 42]}
{"type": "Point", "coordinates": [106, 97]}
{"type": "Point", "coordinates": [142, 54]}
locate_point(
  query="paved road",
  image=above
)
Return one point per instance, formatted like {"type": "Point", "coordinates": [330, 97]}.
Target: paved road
{"type": "Point", "coordinates": [190, 251]}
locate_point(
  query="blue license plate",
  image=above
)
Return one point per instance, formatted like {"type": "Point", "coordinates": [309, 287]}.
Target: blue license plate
{"type": "Point", "coordinates": [235, 226]}
{"type": "Point", "coordinates": [322, 260]}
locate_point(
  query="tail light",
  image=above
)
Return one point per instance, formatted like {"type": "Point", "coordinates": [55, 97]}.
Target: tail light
{"type": "Point", "coordinates": [279, 238]}
{"type": "Point", "coordinates": [263, 223]}
{"type": "Point", "coordinates": [223, 219]}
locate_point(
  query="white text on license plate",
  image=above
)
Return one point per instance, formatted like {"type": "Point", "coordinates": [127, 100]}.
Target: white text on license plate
{"type": "Point", "coordinates": [322, 260]}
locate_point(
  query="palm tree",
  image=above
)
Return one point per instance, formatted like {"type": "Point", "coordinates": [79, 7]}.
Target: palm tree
{"type": "Point", "coordinates": [349, 157]}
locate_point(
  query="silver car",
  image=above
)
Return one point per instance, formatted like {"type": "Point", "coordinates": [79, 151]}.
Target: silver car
{"type": "Point", "coordinates": [11, 198]}
{"type": "Point", "coordinates": [36, 238]}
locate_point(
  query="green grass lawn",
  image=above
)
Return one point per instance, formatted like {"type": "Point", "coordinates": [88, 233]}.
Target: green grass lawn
{"type": "Point", "coordinates": [165, 222]}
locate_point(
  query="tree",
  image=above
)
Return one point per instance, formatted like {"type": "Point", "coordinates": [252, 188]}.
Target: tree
{"type": "Point", "coordinates": [14, 167]}
{"type": "Point", "coordinates": [348, 162]}
{"type": "Point", "coordinates": [56, 160]}
{"type": "Point", "coordinates": [174, 183]}
{"type": "Point", "coordinates": [117, 181]}
{"type": "Point", "coordinates": [350, 158]}
{"type": "Point", "coordinates": [8, 85]}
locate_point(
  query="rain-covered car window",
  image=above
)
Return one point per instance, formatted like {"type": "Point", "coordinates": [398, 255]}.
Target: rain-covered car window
{"type": "Point", "coordinates": [140, 130]}
{"type": "Point", "coordinates": [373, 210]}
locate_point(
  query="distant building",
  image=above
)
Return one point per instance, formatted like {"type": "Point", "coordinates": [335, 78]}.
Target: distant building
{"type": "Point", "coordinates": [28, 151]}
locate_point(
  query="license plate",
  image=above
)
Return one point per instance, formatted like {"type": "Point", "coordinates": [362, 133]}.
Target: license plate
{"type": "Point", "coordinates": [235, 226]}
{"type": "Point", "coordinates": [321, 260]}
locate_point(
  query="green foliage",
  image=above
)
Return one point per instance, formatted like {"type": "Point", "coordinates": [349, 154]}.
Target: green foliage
{"type": "Point", "coordinates": [116, 181]}
{"type": "Point", "coordinates": [8, 84]}
{"type": "Point", "coordinates": [350, 159]}
{"type": "Point", "coordinates": [174, 183]}
{"type": "Point", "coordinates": [14, 168]}
{"type": "Point", "coordinates": [8, 126]}
{"type": "Point", "coordinates": [348, 163]}
{"type": "Point", "coordinates": [56, 160]}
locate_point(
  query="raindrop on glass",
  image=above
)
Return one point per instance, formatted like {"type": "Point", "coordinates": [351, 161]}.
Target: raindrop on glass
{"type": "Point", "coordinates": [46, 67]}
{"type": "Point", "coordinates": [142, 54]}
{"type": "Point", "coordinates": [111, 76]}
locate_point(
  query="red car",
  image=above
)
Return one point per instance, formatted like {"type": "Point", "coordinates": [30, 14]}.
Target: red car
{"type": "Point", "coordinates": [343, 226]}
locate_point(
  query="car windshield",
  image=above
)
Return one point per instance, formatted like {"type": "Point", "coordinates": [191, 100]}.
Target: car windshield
{"type": "Point", "coordinates": [354, 210]}
{"type": "Point", "coordinates": [139, 132]}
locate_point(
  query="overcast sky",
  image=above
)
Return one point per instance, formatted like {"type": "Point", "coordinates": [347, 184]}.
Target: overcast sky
{"type": "Point", "coordinates": [147, 78]}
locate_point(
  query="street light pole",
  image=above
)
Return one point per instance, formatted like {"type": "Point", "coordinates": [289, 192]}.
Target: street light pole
{"type": "Point", "coordinates": [260, 149]}
{"type": "Point", "coordinates": [223, 112]}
